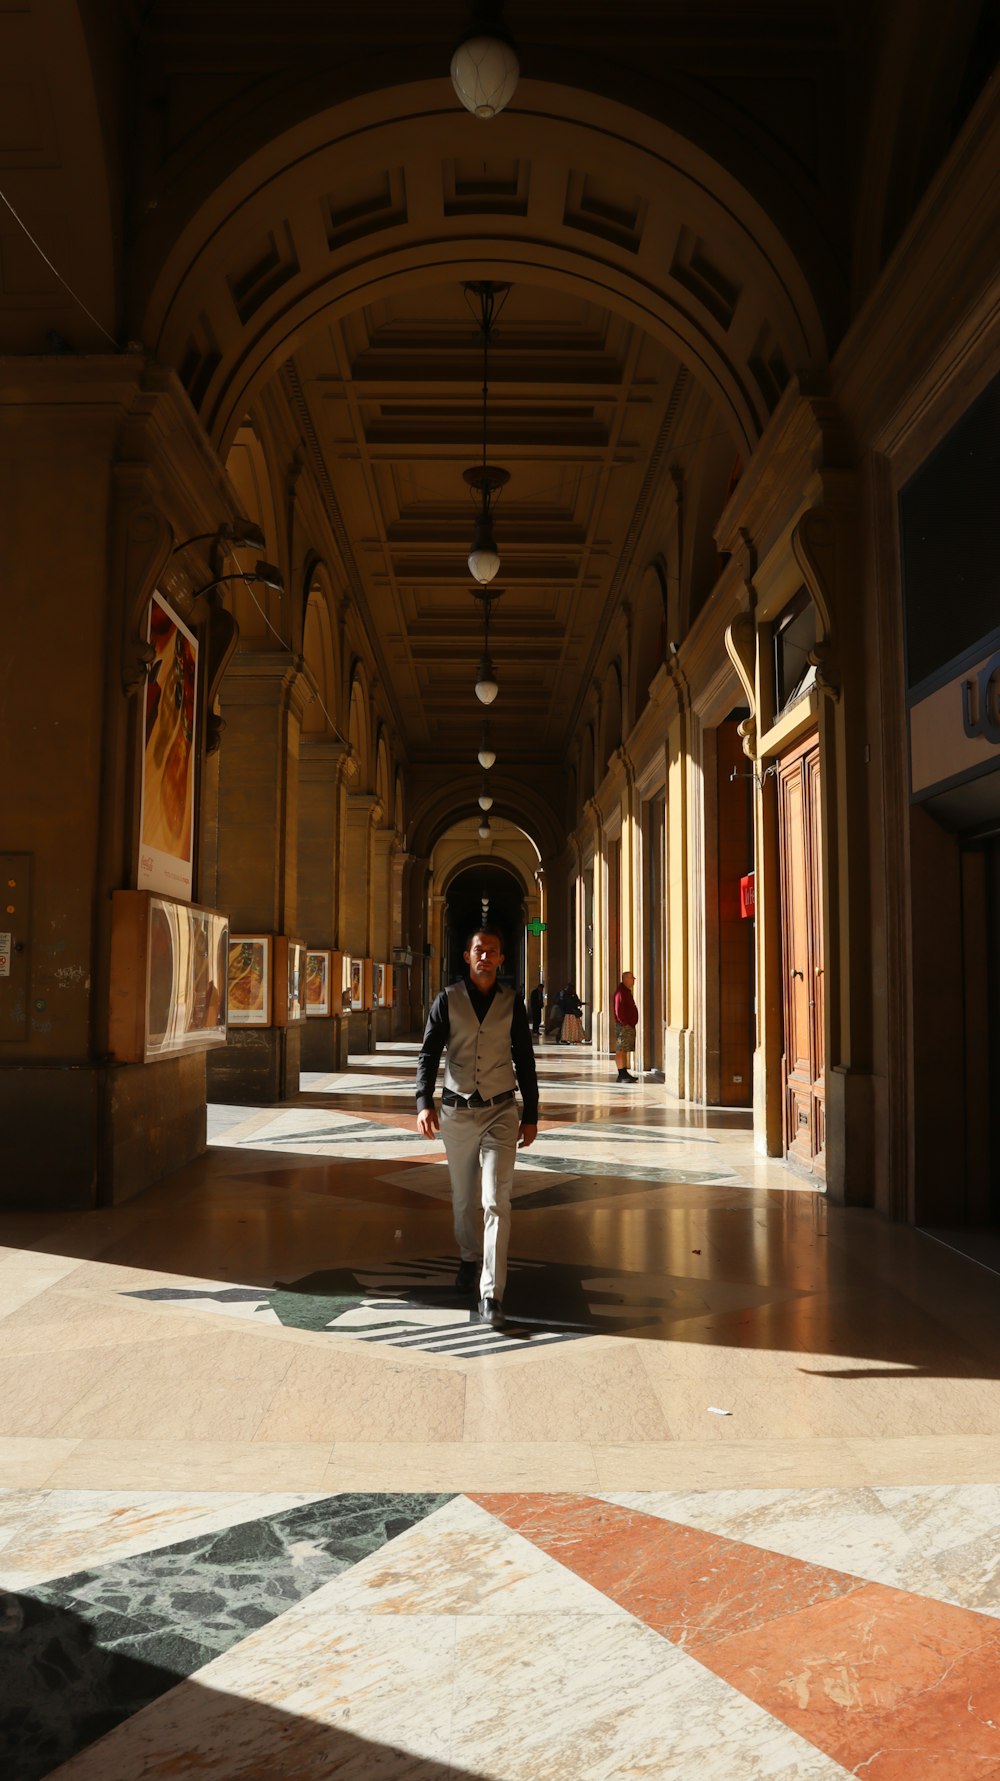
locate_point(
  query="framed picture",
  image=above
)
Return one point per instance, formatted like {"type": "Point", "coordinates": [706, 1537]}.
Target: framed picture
{"type": "Point", "coordinates": [381, 986]}
{"type": "Point", "coordinates": [357, 983]}
{"type": "Point", "coordinates": [169, 977]}
{"type": "Point", "coordinates": [346, 980]}
{"type": "Point", "coordinates": [290, 981]}
{"type": "Point", "coordinates": [168, 744]}
{"type": "Point", "coordinates": [319, 979]}
{"type": "Point", "coordinates": [250, 980]}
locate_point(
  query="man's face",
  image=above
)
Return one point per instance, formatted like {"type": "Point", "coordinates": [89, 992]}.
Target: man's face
{"type": "Point", "coordinates": [628, 980]}
{"type": "Point", "coordinates": [484, 959]}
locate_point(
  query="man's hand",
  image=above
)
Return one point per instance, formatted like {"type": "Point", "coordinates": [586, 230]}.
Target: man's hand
{"type": "Point", "coordinates": [428, 1123]}
{"type": "Point", "coordinates": [526, 1134]}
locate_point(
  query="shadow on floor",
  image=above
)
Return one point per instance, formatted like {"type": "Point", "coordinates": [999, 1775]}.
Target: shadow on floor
{"type": "Point", "coordinates": [61, 1691]}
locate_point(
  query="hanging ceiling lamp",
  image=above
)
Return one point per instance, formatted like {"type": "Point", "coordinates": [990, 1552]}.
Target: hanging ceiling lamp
{"type": "Point", "coordinates": [486, 683]}
{"type": "Point", "coordinates": [486, 480]}
{"type": "Point", "coordinates": [484, 829]}
{"type": "Point", "coordinates": [484, 68]}
{"type": "Point", "coordinates": [485, 798]}
{"type": "Point", "coordinates": [486, 755]}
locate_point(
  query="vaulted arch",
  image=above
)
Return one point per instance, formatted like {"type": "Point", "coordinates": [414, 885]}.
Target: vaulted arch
{"type": "Point", "coordinates": [319, 221]}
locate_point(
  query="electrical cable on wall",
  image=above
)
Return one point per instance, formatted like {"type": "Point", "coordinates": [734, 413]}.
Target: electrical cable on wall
{"type": "Point", "coordinates": [287, 646]}
{"type": "Point", "coordinates": [22, 225]}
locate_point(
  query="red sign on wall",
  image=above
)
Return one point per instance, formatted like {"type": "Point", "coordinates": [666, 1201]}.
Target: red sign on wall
{"type": "Point", "coordinates": [747, 902]}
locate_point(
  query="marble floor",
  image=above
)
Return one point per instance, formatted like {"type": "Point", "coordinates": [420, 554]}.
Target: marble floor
{"type": "Point", "coordinates": [723, 1500]}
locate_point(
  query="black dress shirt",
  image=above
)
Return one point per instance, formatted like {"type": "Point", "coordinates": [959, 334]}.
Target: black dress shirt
{"type": "Point", "coordinates": [436, 1035]}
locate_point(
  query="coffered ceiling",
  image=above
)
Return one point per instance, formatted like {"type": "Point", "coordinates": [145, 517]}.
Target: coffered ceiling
{"type": "Point", "coordinates": [581, 403]}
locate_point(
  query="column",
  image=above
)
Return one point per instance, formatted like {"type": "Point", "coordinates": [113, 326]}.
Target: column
{"type": "Point", "coordinates": [384, 842]}
{"type": "Point", "coordinates": [326, 770]}
{"type": "Point", "coordinates": [263, 697]}
{"type": "Point", "coordinates": [357, 925]}
{"type": "Point", "coordinates": [102, 468]}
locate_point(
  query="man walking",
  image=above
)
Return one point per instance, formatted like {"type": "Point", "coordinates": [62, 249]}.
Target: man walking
{"type": "Point", "coordinates": [484, 1027]}
{"type": "Point", "coordinates": [626, 1021]}
{"type": "Point", "coordinates": [536, 1002]}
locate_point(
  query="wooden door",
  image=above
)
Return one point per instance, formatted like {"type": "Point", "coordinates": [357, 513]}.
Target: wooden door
{"type": "Point", "coordinates": [804, 1058]}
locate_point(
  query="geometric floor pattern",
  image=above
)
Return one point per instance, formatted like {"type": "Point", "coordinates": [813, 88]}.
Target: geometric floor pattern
{"type": "Point", "coordinates": [505, 1635]}
{"type": "Point", "coordinates": [722, 1499]}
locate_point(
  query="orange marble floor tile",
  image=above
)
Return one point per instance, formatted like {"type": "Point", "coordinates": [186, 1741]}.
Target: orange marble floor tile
{"type": "Point", "coordinates": [892, 1685]}
{"type": "Point", "coordinates": [689, 1586]}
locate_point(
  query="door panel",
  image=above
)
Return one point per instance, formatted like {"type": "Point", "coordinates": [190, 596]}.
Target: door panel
{"type": "Point", "coordinates": [804, 1060]}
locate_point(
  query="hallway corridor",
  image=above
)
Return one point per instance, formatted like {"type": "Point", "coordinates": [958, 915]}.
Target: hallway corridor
{"type": "Point", "coordinates": [283, 1507]}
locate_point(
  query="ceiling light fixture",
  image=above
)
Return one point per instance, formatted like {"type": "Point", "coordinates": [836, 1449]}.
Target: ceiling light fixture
{"type": "Point", "coordinates": [485, 799]}
{"type": "Point", "coordinates": [484, 829]}
{"type": "Point", "coordinates": [485, 68]}
{"type": "Point", "coordinates": [486, 480]}
{"type": "Point", "coordinates": [486, 755]}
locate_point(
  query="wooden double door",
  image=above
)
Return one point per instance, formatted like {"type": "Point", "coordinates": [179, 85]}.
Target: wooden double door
{"type": "Point", "coordinates": [804, 1057]}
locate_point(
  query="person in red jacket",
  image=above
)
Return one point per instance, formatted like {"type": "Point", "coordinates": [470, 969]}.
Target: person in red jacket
{"type": "Point", "coordinates": [626, 1021]}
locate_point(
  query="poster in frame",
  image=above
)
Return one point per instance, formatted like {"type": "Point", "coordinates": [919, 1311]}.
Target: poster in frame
{"type": "Point", "coordinates": [168, 753]}
{"type": "Point", "coordinates": [168, 977]}
{"type": "Point", "coordinates": [289, 981]}
{"type": "Point", "coordinates": [381, 986]}
{"type": "Point", "coordinates": [250, 971]}
{"type": "Point", "coordinates": [319, 979]}
{"type": "Point", "coordinates": [346, 980]}
{"type": "Point", "coordinates": [357, 983]}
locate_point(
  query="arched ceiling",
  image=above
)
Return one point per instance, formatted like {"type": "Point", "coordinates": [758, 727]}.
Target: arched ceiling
{"type": "Point", "coordinates": [304, 229]}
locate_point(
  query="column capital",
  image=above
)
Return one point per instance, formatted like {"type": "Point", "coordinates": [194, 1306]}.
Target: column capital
{"type": "Point", "coordinates": [325, 759]}
{"type": "Point", "coordinates": [266, 677]}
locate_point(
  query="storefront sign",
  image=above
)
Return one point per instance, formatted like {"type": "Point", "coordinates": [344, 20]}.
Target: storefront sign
{"type": "Point", "coordinates": [747, 897]}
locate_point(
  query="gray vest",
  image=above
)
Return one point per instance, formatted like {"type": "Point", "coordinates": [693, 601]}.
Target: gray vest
{"type": "Point", "coordinates": [479, 1056]}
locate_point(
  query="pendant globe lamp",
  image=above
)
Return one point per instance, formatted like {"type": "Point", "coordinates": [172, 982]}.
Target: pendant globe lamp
{"type": "Point", "coordinates": [485, 798]}
{"type": "Point", "coordinates": [486, 756]}
{"type": "Point", "coordinates": [484, 479]}
{"type": "Point", "coordinates": [484, 67]}
{"type": "Point", "coordinates": [484, 829]}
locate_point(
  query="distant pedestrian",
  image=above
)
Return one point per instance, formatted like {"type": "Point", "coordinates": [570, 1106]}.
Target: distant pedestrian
{"type": "Point", "coordinates": [626, 1021]}
{"type": "Point", "coordinates": [571, 1029]}
{"type": "Point", "coordinates": [536, 1002]}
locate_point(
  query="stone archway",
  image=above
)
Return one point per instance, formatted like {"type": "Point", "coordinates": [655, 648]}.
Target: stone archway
{"type": "Point", "coordinates": [375, 194]}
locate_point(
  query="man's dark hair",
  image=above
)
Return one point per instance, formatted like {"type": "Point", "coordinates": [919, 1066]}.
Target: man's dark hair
{"type": "Point", "coordinates": [483, 928]}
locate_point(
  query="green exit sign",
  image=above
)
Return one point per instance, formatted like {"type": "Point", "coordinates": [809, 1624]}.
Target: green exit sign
{"type": "Point", "coordinates": [537, 927]}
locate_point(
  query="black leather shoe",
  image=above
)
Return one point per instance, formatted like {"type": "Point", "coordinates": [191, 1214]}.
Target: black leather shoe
{"type": "Point", "coordinates": [467, 1277]}
{"type": "Point", "coordinates": [491, 1312]}
{"type": "Point", "coordinates": [625, 1077]}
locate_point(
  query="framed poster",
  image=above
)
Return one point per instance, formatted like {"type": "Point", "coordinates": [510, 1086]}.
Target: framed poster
{"type": "Point", "coordinates": [381, 986]}
{"type": "Point", "coordinates": [289, 981]}
{"type": "Point", "coordinates": [170, 716]}
{"type": "Point", "coordinates": [346, 980]}
{"type": "Point", "coordinates": [250, 980]}
{"type": "Point", "coordinates": [168, 977]}
{"type": "Point", "coordinates": [357, 983]}
{"type": "Point", "coordinates": [319, 979]}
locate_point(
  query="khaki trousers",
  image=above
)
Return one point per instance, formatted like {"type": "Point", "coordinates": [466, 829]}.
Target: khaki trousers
{"type": "Point", "coordinates": [481, 1146]}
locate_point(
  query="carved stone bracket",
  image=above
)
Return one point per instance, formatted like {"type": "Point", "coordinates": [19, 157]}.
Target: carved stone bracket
{"type": "Point", "coordinates": [741, 646]}
{"type": "Point", "coordinates": [813, 548]}
{"type": "Point", "coordinates": [221, 634]}
{"type": "Point", "coordinates": [142, 551]}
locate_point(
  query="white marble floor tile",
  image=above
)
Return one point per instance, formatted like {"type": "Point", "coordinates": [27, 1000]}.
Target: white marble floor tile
{"type": "Point", "coordinates": [462, 1560]}
{"type": "Point", "coordinates": [50, 1533]}
{"type": "Point", "coordinates": [575, 1699]}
